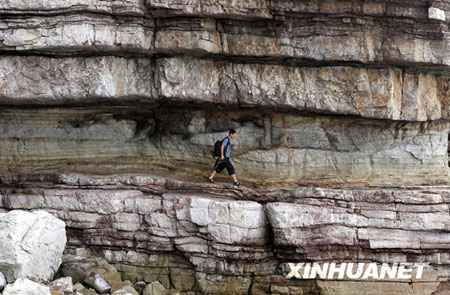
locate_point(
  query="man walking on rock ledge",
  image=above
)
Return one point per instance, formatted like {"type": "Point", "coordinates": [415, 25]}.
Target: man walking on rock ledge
{"type": "Point", "coordinates": [224, 159]}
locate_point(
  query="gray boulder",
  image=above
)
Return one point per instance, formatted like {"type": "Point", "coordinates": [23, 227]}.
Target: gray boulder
{"type": "Point", "coordinates": [95, 280]}
{"type": "Point", "coordinates": [62, 285]}
{"type": "Point", "coordinates": [155, 288]}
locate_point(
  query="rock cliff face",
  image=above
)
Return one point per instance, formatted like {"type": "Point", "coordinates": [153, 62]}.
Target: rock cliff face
{"type": "Point", "coordinates": [110, 110]}
{"type": "Point", "coordinates": [219, 240]}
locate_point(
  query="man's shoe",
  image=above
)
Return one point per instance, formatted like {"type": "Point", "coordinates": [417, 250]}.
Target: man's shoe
{"type": "Point", "coordinates": [210, 180]}
{"type": "Point", "coordinates": [237, 183]}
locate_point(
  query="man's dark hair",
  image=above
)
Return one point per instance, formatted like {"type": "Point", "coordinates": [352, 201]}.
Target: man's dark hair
{"type": "Point", "coordinates": [232, 131]}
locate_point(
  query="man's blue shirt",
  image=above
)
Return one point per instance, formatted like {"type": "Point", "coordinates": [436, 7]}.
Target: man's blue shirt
{"type": "Point", "coordinates": [227, 147]}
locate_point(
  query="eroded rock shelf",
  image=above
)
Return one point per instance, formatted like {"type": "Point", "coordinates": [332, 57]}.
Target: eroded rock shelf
{"type": "Point", "coordinates": [210, 238]}
{"type": "Point", "coordinates": [109, 111]}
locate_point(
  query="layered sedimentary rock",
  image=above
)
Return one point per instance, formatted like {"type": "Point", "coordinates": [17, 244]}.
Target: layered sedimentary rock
{"type": "Point", "coordinates": [371, 93]}
{"type": "Point", "coordinates": [313, 30]}
{"type": "Point", "coordinates": [273, 147]}
{"type": "Point", "coordinates": [198, 237]}
{"type": "Point", "coordinates": [341, 110]}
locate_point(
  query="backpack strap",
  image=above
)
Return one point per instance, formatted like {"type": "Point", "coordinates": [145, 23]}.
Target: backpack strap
{"type": "Point", "coordinates": [229, 143]}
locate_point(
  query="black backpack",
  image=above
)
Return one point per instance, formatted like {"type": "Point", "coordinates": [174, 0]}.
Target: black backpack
{"type": "Point", "coordinates": [216, 151]}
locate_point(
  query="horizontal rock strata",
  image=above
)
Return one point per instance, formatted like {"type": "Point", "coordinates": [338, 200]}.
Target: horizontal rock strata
{"type": "Point", "coordinates": [341, 110]}
{"type": "Point", "coordinates": [309, 30]}
{"type": "Point", "coordinates": [199, 237]}
{"type": "Point", "coordinates": [275, 147]}
{"type": "Point", "coordinates": [117, 7]}
{"type": "Point", "coordinates": [76, 33]}
{"type": "Point", "coordinates": [372, 93]}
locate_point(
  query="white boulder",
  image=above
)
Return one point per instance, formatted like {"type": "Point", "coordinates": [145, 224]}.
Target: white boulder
{"type": "Point", "coordinates": [26, 287]}
{"type": "Point", "coordinates": [32, 245]}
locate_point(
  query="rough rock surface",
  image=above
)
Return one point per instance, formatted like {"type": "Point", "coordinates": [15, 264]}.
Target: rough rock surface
{"type": "Point", "coordinates": [92, 271]}
{"type": "Point", "coordinates": [127, 290]}
{"type": "Point", "coordinates": [332, 92]}
{"type": "Point", "coordinates": [272, 148]}
{"type": "Point", "coordinates": [62, 285]}
{"type": "Point", "coordinates": [109, 110]}
{"type": "Point", "coordinates": [32, 245]}
{"type": "Point", "coordinates": [94, 280]}
{"type": "Point", "coordinates": [23, 286]}
{"type": "Point", "coordinates": [199, 237]}
{"type": "Point", "coordinates": [344, 90]}
{"type": "Point", "coordinates": [154, 288]}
